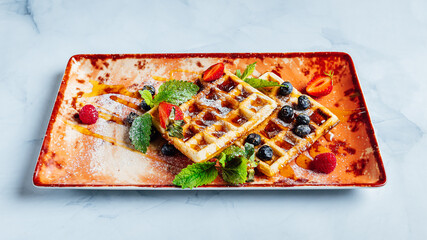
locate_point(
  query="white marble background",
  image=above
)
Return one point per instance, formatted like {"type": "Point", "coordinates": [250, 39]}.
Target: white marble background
{"type": "Point", "coordinates": [387, 40]}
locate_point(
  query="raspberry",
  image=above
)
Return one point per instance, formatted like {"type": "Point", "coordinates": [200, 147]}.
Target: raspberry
{"type": "Point", "coordinates": [88, 114]}
{"type": "Point", "coordinates": [324, 163]}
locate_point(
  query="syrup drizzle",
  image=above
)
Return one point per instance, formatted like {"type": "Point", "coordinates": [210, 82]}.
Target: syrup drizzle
{"type": "Point", "coordinates": [124, 102]}
{"type": "Point", "coordinates": [171, 73]}
{"type": "Point", "coordinates": [101, 89]}
{"type": "Point", "coordinates": [111, 140]}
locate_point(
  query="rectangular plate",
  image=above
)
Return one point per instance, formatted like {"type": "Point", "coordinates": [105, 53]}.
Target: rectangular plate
{"type": "Point", "coordinates": [101, 156]}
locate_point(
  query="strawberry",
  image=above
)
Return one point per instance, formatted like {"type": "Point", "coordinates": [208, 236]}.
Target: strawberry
{"type": "Point", "coordinates": [172, 118]}
{"type": "Point", "coordinates": [320, 85]}
{"type": "Point", "coordinates": [324, 163]}
{"type": "Point", "coordinates": [213, 72]}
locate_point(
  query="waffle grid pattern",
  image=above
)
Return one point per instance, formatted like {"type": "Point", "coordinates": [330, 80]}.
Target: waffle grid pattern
{"type": "Point", "coordinates": [221, 113]}
{"type": "Point", "coordinates": [278, 134]}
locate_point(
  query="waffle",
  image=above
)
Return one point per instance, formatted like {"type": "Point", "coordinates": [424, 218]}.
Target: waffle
{"type": "Point", "coordinates": [221, 113]}
{"type": "Point", "coordinates": [278, 134]}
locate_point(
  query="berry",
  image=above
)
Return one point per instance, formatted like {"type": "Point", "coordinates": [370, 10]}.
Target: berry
{"type": "Point", "coordinates": [254, 139]}
{"type": "Point", "coordinates": [302, 119]}
{"type": "Point", "coordinates": [303, 102]}
{"type": "Point", "coordinates": [324, 163]}
{"type": "Point", "coordinates": [129, 119]}
{"type": "Point", "coordinates": [302, 130]}
{"type": "Point", "coordinates": [88, 114]}
{"type": "Point", "coordinates": [286, 89]}
{"type": "Point", "coordinates": [168, 149]}
{"type": "Point", "coordinates": [213, 72]}
{"type": "Point", "coordinates": [320, 85]}
{"type": "Point", "coordinates": [144, 106]}
{"type": "Point", "coordinates": [165, 110]}
{"type": "Point", "coordinates": [286, 113]}
{"type": "Point", "coordinates": [150, 88]}
{"type": "Point", "coordinates": [265, 153]}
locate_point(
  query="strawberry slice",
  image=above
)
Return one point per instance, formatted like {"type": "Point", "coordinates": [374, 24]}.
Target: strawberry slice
{"type": "Point", "coordinates": [213, 72]}
{"type": "Point", "coordinates": [171, 118]}
{"type": "Point", "coordinates": [320, 85]}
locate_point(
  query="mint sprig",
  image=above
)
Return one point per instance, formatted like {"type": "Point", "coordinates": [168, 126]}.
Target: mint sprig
{"type": "Point", "coordinates": [195, 175]}
{"type": "Point", "coordinates": [176, 92]}
{"type": "Point", "coordinates": [254, 82]}
{"type": "Point", "coordinates": [260, 83]}
{"type": "Point", "coordinates": [235, 164]}
{"type": "Point", "coordinates": [140, 132]}
{"type": "Point", "coordinates": [148, 98]}
{"type": "Point", "coordinates": [248, 71]}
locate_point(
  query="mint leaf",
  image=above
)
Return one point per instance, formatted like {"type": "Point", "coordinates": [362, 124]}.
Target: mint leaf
{"type": "Point", "coordinates": [232, 152]}
{"type": "Point", "coordinates": [248, 71]}
{"type": "Point", "coordinates": [148, 98]}
{"type": "Point", "coordinates": [140, 132]}
{"type": "Point", "coordinates": [260, 83]}
{"type": "Point", "coordinates": [195, 175]}
{"type": "Point", "coordinates": [235, 170]}
{"type": "Point", "coordinates": [238, 73]}
{"type": "Point", "coordinates": [221, 159]}
{"type": "Point", "coordinates": [249, 151]}
{"type": "Point", "coordinates": [176, 92]}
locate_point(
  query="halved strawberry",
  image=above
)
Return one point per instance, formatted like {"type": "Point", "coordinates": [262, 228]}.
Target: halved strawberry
{"type": "Point", "coordinates": [171, 118]}
{"type": "Point", "coordinates": [213, 72]}
{"type": "Point", "coordinates": [320, 85]}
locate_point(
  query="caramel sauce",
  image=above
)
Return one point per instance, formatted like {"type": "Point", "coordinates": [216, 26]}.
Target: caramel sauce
{"type": "Point", "coordinates": [171, 74]}
{"type": "Point", "coordinates": [194, 110]}
{"type": "Point", "coordinates": [182, 71]}
{"type": "Point", "coordinates": [228, 85]}
{"type": "Point", "coordinates": [238, 120]}
{"type": "Point", "coordinates": [160, 79]}
{"type": "Point", "coordinates": [243, 95]}
{"type": "Point", "coordinates": [285, 144]}
{"type": "Point", "coordinates": [257, 104]}
{"type": "Point", "coordinates": [199, 146]}
{"type": "Point", "coordinates": [303, 161]}
{"type": "Point", "coordinates": [271, 130]}
{"type": "Point", "coordinates": [319, 117]}
{"type": "Point", "coordinates": [189, 133]}
{"type": "Point", "coordinates": [287, 172]}
{"type": "Point", "coordinates": [111, 140]}
{"type": "Point", "coordinates": [100, 89]}
{"type": "Point", "coordinates": [112, 118]}
{"type": "Point", "coordinates": [125, 102]}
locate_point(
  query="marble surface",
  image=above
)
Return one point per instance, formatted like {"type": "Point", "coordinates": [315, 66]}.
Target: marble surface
{"type": "Point", "coordinates": [387, 40]}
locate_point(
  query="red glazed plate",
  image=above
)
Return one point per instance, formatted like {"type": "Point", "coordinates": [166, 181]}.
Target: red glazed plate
{"type": "Point", "coordinates": [101, 156]}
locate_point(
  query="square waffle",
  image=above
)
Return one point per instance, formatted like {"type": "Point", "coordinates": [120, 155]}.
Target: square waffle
{"type": "Point", "coordinates": [221, 113]}
{"type": "Point", "coordinates": [278, 134]}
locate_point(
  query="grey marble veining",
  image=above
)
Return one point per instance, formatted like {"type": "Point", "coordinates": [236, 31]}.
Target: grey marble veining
{"type": "Point", "coordinates": [386, 39]}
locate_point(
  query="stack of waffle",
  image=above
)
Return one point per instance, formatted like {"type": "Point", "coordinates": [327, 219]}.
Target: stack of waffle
{"type": "Point", "coordinates": [227, 110]}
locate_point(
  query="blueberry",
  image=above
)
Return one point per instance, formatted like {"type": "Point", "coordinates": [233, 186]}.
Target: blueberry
{"type": "Point", "coordinates": [150, 88]}
{"type": "Point", "coordinates": [286, 89]}
{"type": "Point", "coordinates": [129, 119]}
{"type": "Point", "coordinates": [302, 130]}
{"type": "Point", "coordinates": [303, 102]}
{"type": "Point", "coordinates": [265, 153]}
{"type": "Point", "coordinates": [286, 113]}
{"type": "Point", "coordinates": [302, 119]}
{"type": "Point", "coordinates": [254, 139]}
{"type": "Point", "coordinates": [168, 149]}
{"type": "Point", "coordinates": [144, 106]}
